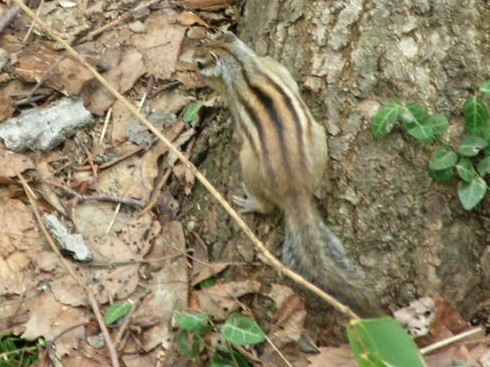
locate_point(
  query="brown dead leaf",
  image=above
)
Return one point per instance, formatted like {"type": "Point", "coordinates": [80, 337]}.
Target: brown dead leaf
{"type": "Point", "coordinates": [11, 44]}
{"type": "Point", "coordinates": [122, 118]}
{"type": "Point", "coordinates": [449, 316]}
{"type": "Point", "coordinates": [41, 62]}
{"type": "Point", "coordinates": [85, 356]}
{"type": "Point", "coordinates": [185, 177]}
{"type": "Point", "coordinates": [209, 270]}
{"type": "Point", "coordinates": [150, 359]}
{"type": "Point", "coordinates": [125, 66]}
{"type": "Point", "coordinates": [447, 322]}
{"type": "Point", "coordinates": [12, 163]}
{"type": "Point", "coordinates": [291, 316]}
{"type": "Point", "coordinates": [333, 357]}
{"type": "Point", "coordinates": [188, 18]}
{"type": "Point", "coordinates": [171, 101]}
{"type": "Point", "coordinates": [17, 227]}
{"type": "Point", "coordinates": [112, 281]}
{"type": "Point", "coordinates": [49, 319]}
{"type": "Point", "coordinates": [221, 299]}
{"type": "Point", "coordinates": [452, 356]}
{"type": "Point", "coordinates": [160, 45]}
{"type": "Point", "coordinates": [7, 106]}
{"type": "Point", "coordinates": [134, 176]}
{"type": "Point", "coordinates": [169, 285]}
{"type": "Point", "coordinates": [93, 217]}
{"type": "Point", "coordinates": [13, 270]}
{"type": "Point", "coordinates": [45, 190]}
{"type": "Point", "coordinates": [208, 4]}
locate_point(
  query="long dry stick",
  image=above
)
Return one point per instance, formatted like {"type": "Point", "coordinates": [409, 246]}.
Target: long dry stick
{"type": "Point", "coordinates": [267, 257]}
{"type": "Point", "coordinates": [68, 267]}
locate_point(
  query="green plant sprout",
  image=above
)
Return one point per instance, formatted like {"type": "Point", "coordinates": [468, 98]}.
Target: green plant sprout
{"type": "Point", "coordinates": [237, 330]}
{"type": "Point", "coordinates": [447, 161]}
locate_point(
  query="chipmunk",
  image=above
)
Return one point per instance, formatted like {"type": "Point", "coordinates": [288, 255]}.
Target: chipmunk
{"type": "Point", "coordinates": [283, 157]}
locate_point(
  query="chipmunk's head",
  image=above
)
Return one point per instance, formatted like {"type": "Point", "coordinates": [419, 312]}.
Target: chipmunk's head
{"type": "Point", "coordinates": [221, 59]}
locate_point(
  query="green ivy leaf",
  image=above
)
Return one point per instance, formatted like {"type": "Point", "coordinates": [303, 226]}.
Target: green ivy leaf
{"type": "Point", "coordinates": [227, 358]}
{"type": "Point", "coordinates": [466, 170]}
{"type": "Point", "coordinates": [442, 176]}
{"type": "Point", "coordinates": [416, 122]}
{"type": "Point", "coordinates": [443, 158]}
{"type": "Point", "coordinates": [484, 133]}
{"type": "Point", "coordinates": [439, 124]}
{"type": "Point", "coordinates": [209, 282]}
{"type": "Point", "coordinates": [485, 87]}
{"type": "Point", "coordinates": [116, 311]}
{"type": "Point", "coordinates": [192, 321]}
{"type": "Point", "coordinates": [189, 344]}
{"type": "Point", "coordinates": [191, 112]}
{"type": "Point", "coordinates": [382, 342]}
{"type": "Point", "coordinates": [471, 193]}
{"type": "Point", "coordinates": [241, 330]}
{"type": "Point", "coordinates": [484, 166]}
{"type": "Point", "coordinates": [475, 113]}
{"type": "Point", "coordinates": [471, 145]}
{"type": "Point", "coordinates": [384, 121]}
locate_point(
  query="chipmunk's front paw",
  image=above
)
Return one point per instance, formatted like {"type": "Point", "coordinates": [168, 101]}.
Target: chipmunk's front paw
{"type": "Point", "coordinates": [250, 203]}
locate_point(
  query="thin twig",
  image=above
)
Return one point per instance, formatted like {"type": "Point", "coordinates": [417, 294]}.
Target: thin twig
{"type": "Point", "coordinates": [71, 271]}
{"type": "Point", "coordinates": [89, 157]}
{"type": "Point", "coordinates": [453, 339]}
{"type": "Point", "coordinates": [106, 123]}
{"type": "Point", "coordinates": [276, 349]}
{"type": "Point", "coordinates": [109, 264]}
{"type": "Point", "coordinates": [67, 330]}
{"type": "Point", "coordinates": [266, 256]}
{"type": "Point", "coordinates": [113, 219]}
{"type": "Point", "coordinates": [99, 196]}
{"type": "Point", "coordinates": [31, 27]}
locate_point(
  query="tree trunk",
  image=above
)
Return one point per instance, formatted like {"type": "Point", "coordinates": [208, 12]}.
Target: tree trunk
{"type": "Point", "coordinates": [410, 234]}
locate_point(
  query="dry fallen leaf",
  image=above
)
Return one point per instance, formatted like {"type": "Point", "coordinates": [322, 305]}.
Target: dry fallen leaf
{"type": "Point", "coordinates": [221, 299]}
{"type": "Point", "coordinates": [333, 357]}
{"type": "Point", "coordinates": [208, 270]}
{"type": "Point", "coordinates": [125, 66]}
{"type": "Point", "coordinates": [445, 322]}
{"type": "Point", "coordinates": [160, 45]}
{"type": "Point", "coordinates": [42, 62]}
{"type": "Point", "coordinates": [188, 18]}
{"type": "Point", "coordinates": [49, 319]}
{"type": "Point", "coordinates": [7, 106]}
{"type": "Point", "coordinates": [12, 163]}
{"type": "Point", "coordinates": [169, 285]}
{"type": "Point", "coordinates": [454, 355]}
{"type": "Point", "coordinates": [291, 315]}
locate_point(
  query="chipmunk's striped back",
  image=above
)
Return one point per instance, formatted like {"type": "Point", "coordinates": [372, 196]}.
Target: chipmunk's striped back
{"type": "Point", "coordinates": [273, 121]}
{"type": "Point", "coordinates": [283, 158]}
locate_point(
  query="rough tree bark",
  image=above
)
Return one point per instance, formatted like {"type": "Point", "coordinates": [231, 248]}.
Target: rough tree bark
{"type": "Point", "coordinates": [350, 56]}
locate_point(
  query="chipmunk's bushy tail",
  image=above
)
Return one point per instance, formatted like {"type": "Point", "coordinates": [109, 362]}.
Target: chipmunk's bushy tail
{"type": "Point", "coordinates": [313, 250]}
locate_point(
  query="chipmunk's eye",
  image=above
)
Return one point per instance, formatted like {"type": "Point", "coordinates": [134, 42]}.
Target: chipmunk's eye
{"type": "Point", "coordinates": [200, 64]}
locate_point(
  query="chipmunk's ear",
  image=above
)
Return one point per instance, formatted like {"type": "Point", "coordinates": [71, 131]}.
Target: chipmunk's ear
{"type": "Point", "coordinates": [228, 37]}
{"type": "Point", "coordinates": [208, 62]}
